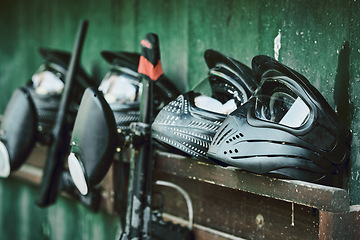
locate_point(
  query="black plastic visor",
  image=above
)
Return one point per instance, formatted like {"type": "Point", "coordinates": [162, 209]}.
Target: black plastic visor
{"type": "Point", "coordinates": [122, 86]}
{"type": "Point", "coordinates": [277, 102]}
{"type": "Point", "coordinates": [48, 80]}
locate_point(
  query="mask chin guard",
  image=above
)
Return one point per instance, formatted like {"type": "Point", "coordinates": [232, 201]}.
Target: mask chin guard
{"type": "Point", "coordinates": [17, 131]}
{"type": "Point", "coordinates": [93, 141]}
{"type": "Point", "coordinates": [286, 129]}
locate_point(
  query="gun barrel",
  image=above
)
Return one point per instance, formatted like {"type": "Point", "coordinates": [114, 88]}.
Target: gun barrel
{"type": "Point", "coordinates": [140, 180]}
{"type": "Point", "coordinates": [59, 147]}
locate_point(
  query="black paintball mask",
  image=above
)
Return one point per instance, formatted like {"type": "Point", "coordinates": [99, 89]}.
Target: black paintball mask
{"type": "Point", "coordinates": [31, 112]}
{"type": "Point", "coordinates": [287, 129]}
{"type": "Point", "coordinates": [105, 113]}
{"type": "Point", "coordinates": [189, 123]}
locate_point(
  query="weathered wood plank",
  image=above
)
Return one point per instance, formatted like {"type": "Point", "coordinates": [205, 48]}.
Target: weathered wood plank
{"type": "Point", "coordinates": [202, 232]}
{"type": "Point", "coordinates": [344, 225]}
{"type": "Point", "coordinates": [237, 213]}
{"type": "Point", "coordinates": [313, 195]}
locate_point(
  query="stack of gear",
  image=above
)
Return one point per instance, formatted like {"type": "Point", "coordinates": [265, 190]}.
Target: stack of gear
{"type": "Point", "coordinates": [31, 112]}
{"type": "Point", "coordinates": [107, 111]}
{"type": "Point", "coordinates": [189, 123]}
{"type": "Point", "coordinates": [287, 129]}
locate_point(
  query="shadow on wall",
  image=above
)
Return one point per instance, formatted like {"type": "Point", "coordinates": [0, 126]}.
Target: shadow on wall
{"type": "Point", "coordinates": [344, 108]}
{"type": "Point", "coordinates": [342, 85]}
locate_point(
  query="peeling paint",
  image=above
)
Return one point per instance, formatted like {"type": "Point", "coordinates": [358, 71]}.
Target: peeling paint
{"type": "Point", "coordinates": [208, 181]}
{"type": "Point", "coordinates": [356, 176]}
{"type": "Point", "coordinates": [277, 45]}
{"type": "Point", "coordinates": [292, 214]}
{"type": "Point", "coordinates": [135, 218]}
{"type": "Point", "coordinates": [147, 218]}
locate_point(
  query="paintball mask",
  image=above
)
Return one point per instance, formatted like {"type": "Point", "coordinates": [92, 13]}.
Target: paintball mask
{"type": "Point", "coordinates": [31, 111]}
{"type": "Point", "coordinates": [287, 129]}
{"type": "Point", "coordinates": [189, 123]}
{"type": "Point", "coordinates": [106, 112]}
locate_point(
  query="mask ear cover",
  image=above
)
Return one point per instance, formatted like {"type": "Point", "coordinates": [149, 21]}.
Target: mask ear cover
{"type": "Point", "coordinates": [95, 132]}
{"type": "Point", "coordinates": [17, 131]}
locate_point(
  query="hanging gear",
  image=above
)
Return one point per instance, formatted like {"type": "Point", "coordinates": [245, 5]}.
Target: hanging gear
{"type": "Point", "coordinates": [189, 123]}
{"type": "Point", "coordinates": [32, 110]}
{"type": "Point", "coordinates": [286, 129]}
{"type": "Point", "coordinates": [106, 112]}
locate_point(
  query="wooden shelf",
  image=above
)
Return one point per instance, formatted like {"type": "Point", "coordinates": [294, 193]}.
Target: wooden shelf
{"type": "Point", "coordinates": [233, 204]}
{"type": "Point", "coordinates": [253, 206]}
{"type": "Point", "coordinates": [308, 194]}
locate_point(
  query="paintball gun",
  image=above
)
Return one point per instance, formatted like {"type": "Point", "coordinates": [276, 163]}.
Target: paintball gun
{"type": "Point", "coordinates": [141, 221]}
{"type": "Point", "coordinates": [55, 178]}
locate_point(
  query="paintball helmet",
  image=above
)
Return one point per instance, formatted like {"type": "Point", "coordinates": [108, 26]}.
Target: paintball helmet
{"type": "Point", "coordinates": [189, 123]}
{"type": "Point", "coordinates": [31, 112]}
{"type": "Point", "coordinates": [286, 129]}
{"type": "Point", "coordinates": [106, 112]}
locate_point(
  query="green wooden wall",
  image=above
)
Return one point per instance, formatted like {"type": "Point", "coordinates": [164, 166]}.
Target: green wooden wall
{"type": "Point", "coordinates": [21, 219]}
{"type": "Point", "coordinates": [318, 39]}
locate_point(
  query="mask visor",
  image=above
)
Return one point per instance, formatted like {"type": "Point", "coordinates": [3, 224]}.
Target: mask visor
{"type": "Point", "coordinates": [47, 81]}
{"type": "Point", "coordinates": [121, 88]}
{"type": "Point", "coordinates": [207, 98]}
{"type": "Point", "coordinates": [276, 102]}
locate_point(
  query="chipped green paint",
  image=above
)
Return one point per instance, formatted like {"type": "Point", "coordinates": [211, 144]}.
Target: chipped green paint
{"type": "Point", "coordinates": [319, 39]}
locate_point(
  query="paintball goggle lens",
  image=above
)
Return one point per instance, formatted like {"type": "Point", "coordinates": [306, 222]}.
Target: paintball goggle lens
{"type": "Point", "coordinates": [276, 102]}
{"type": "Point", "coordinates": [207, 99]}
{"type": "Point", "coordinates": [4, 161]}
{"type": "Point", "coordinates": [77, 173]}
{"type": "Point", "coordinates": [221, 89]}
{"type": "Point", "coordinates": [121, 86]}
{"type": "Point", "coordinates": [47, 81]}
